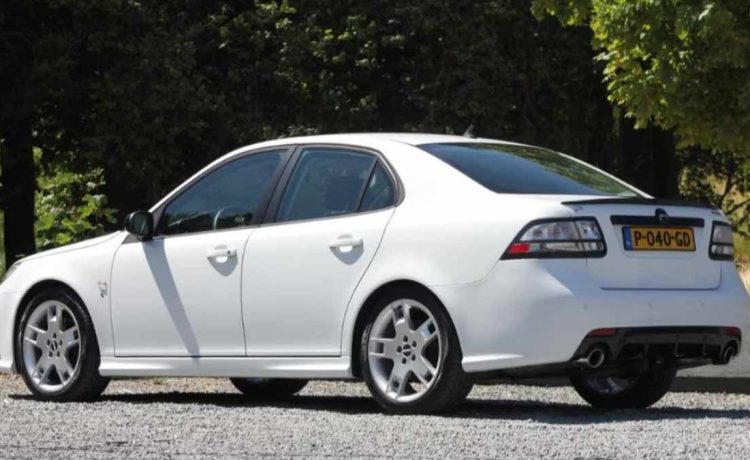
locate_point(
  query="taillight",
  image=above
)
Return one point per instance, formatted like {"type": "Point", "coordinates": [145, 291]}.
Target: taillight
{"type": "Point", "coordinates": [722, 243]}
{"type": "Point", "coordinates": [561, 238]}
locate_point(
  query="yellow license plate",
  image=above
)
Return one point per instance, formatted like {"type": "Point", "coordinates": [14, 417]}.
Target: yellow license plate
{"type": "Point", "coordinates": [658, 239]}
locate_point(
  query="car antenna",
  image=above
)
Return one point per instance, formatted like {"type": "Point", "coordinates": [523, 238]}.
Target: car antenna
{"type": "Point", "coordinates": [470, 132]}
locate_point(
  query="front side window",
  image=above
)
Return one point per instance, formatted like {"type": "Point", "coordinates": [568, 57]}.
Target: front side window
{"type": "Point", "coordinates": [226, 197]}
{"type": "Point", "coordinates": [506, 168]}
{"type": "Point", "coordinates": [326, 182]}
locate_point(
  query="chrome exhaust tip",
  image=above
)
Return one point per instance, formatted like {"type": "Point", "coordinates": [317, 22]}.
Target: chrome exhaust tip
{"type": "Point", "coordinates": [596, 357]}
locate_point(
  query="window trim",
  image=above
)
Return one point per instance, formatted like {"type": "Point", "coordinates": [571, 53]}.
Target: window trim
{"type": "Point", "coordinates": [286, 155]}
{"type": "Point", "coordinates": [271, 214]}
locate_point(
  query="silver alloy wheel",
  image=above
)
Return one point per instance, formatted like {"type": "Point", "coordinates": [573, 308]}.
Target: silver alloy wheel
{"type": "Point", "coordinates": [405, 350]}
{"type": "Point", "coordinates": [609, 385]}
{"type": "Point", "coordinates": [51, 346]}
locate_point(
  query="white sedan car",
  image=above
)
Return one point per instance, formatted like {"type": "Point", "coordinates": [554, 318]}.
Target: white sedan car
{"type": "Point", "coordinates": [419, 263]}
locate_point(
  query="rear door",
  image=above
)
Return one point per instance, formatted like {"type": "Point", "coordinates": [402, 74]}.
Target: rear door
{"type": "Point", "coordinates": [301, 269]}
{"type": "Point", "coordinates": [641, 255]}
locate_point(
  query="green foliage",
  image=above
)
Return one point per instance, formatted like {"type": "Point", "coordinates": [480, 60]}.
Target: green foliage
{"type": "Point", "coordinates": [156, 89]}
{"type": "Point", "coordinates": [680, 64]}
{"type": "Point", "coordinates": [720, 179]}
{"type": "Point", "coordinates": [70, 207]}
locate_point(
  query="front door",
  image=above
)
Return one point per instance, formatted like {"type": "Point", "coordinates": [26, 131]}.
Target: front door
{"type": "Point", "coordinates": [301, 269]}
{"type": "Point", "coordinates": [180, 293]}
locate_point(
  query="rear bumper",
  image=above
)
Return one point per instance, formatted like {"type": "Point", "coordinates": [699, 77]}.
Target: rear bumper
{"type": "Point", "coordinates": [633, 350]}
{"type": "Point", "coordinates": [539, 312]}
{"type": "Point", "coordinates": [666, 343]}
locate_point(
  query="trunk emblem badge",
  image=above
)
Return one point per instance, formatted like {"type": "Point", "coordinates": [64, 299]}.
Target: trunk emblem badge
{"type": "Point", "coordinates": [662, 216]}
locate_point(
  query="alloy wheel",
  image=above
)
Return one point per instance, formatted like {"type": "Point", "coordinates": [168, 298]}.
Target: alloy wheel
{"type": "Point", "coordinates": [51, 346]}
{"type": "Point", "coordinates": [405, 350]}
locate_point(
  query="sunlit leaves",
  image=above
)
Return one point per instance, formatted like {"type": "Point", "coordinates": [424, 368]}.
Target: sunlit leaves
{"type": "Point", "coordinates": [681, 64]}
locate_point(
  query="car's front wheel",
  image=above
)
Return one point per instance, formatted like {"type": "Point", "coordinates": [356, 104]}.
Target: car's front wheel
{"type": "Point", "coordinates": [56, 350]}
{"type": "Point", "coordinates": [410, 355]}
{"type": "Point", "coordinates": [259, 389]}
{"type": "Point", "coordinates": [638, 391]}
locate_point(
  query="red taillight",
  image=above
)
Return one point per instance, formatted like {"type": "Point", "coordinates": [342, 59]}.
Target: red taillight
{"type": "Point", "coordinates": [733, 331]}
{"type": "Point", "coordinates": [519, 248]}
{"type": "Point", "coordinates": [564, 237]}
{"type": "Point", "coordinates": [604, 332]}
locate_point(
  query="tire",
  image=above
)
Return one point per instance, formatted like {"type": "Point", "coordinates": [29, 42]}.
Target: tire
{"type": "Point", "coordinates": [641, 391]}
{"type": "Point", "coordinates": [268, 389]}
{"type": "Point", "coordinates": [392, 369]}
{"type": "Point", "coordinates": [64, 367]}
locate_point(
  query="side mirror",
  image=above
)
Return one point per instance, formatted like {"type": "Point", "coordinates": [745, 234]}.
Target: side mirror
{"type": "Point", "coordinates": [140, 224]}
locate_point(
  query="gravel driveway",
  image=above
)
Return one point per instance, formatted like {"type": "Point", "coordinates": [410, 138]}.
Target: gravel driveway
{"type": "Point", "coordinates": [182, 418]}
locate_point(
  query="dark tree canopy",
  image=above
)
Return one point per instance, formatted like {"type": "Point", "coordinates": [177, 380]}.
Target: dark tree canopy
{"type": "Point", "coordinates": [144, 93]}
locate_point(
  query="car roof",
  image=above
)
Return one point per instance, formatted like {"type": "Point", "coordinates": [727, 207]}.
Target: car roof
{"type": "Point", "coordinates": [366, 138]}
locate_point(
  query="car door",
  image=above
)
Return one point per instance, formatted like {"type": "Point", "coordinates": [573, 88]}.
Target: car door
{"type": "Point", "coordinates": [178, 294]}
{"type": "Point", "coordinates": [301, 269]}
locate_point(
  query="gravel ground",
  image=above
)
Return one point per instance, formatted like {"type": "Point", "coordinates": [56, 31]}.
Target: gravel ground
{"type": "Point", "coordinates": [739, 367]}
{"type": "Point", "coordinates": [184, 418]}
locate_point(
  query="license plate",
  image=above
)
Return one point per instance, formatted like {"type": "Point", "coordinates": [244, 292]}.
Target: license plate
{"type": "Point", "coordinates": [658, 239]}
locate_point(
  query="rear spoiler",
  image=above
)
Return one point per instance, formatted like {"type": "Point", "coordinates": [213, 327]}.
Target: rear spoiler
{"type": "Point", "coordinates": [641, 200]}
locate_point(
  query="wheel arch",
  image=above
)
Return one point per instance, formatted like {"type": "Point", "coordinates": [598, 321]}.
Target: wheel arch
{"type": "Point", "coordinates": [370, 303]}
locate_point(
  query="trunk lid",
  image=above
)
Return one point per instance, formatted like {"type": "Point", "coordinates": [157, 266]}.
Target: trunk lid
{"type": "Point", "coordinates": [621, 268]}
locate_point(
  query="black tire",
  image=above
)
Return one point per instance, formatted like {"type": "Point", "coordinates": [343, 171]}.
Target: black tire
{"type": "Point", "coordinates": [643, 390]}
{"type": "Point", "coordinates": [86, 383]}
{"type": "Point", "coordinates": [268, 389]}
{"type": "Point", "coordinates": [451, 385]}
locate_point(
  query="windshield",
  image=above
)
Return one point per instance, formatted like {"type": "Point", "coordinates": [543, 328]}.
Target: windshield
{"type": "Point", "coordinates": [524, 169]}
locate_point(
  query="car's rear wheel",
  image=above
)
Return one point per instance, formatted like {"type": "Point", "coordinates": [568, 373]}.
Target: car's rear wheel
{"type": "Point", "coordinates": [410, 354]}
{"type": "Point", "coordinates": [639, 391]}
{"type": "Point", "coordinates": [268, 389]}
{"type": "Point", "coordinates": [56, 350]}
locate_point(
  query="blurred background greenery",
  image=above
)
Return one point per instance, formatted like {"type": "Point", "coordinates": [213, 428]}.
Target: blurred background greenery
{"type": "Point", "coordinates": [105, 105]}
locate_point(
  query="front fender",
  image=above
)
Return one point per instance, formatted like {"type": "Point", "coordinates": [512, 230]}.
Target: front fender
{"type": "Point", "coordinates": [85, 268]}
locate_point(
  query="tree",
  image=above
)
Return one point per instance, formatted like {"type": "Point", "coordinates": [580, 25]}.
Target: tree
{"type": "Point", "coordinates": [150, 91]}
{"type": "Point", "coordinates": [106, 83]}
{"type": "Point", "coordinates": [720, 179]}
{"type": "Point", "coordinates": [682, 65]}
{"type": "Point", "coordinates": [16, 124]}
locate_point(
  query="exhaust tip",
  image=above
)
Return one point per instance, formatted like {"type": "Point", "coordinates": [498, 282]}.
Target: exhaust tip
{"type": "Point", "coordinates": [596, 357]}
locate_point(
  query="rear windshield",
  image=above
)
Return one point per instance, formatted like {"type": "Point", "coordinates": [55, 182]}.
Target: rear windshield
{"type": "Point", "coordinates": [523, 169]}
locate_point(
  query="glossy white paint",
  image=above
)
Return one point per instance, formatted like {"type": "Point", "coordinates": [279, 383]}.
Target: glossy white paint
{"type": "Point", "coordinates": [287, 303]}
{"type": "Point", "coordinates": [260, 367]}
{"type": "Point", "coordinates": [179, 295]}
{"type": "Point", "coordinates": [298, 278]}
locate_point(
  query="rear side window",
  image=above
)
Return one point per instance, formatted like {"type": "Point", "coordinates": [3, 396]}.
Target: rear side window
{"type": "Point", "coordinates": [326, 183]}
{"type": "Point", "coordinates": [523, 169]}
{"type": "Point", "coordinates": [380, 192]}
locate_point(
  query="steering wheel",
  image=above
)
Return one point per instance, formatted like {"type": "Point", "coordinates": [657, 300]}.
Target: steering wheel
{"type": "Point", "coordinates": [227, 210]}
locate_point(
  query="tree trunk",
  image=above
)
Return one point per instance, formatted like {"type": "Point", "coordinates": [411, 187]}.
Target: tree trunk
{"type": "Point", "coordinates": [19, 185]}
{"type": "Point", "coordinates": [16, 124]}
{"type": "Point", "coordinates": [649, 159]}
{"type": "Point", "coordinates": [666, 168]}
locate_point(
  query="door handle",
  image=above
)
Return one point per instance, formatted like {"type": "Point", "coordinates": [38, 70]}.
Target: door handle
{"type": "Point", "coordinates": [220, 251]}
{"type": "Point", "coordinates": [345, 242]}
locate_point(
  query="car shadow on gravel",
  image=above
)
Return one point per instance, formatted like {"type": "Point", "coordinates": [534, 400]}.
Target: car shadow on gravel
{"type": "Point", "coordinates": [500, 409]}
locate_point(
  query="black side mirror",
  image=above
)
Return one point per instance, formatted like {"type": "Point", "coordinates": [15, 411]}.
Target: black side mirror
{"type": "Point", "coordinates": [140, 224]}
